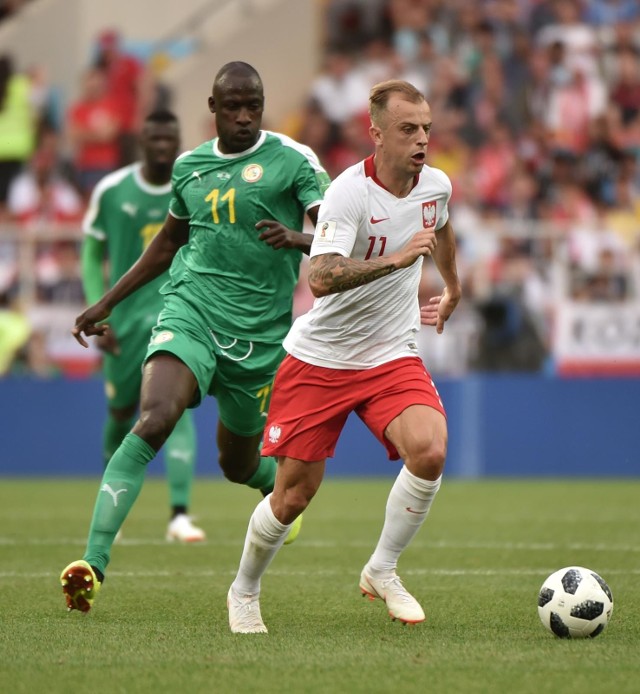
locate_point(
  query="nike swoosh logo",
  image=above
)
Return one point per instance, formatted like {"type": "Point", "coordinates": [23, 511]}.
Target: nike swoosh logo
{"type": "Point", "coordinates": [377, 221]}
{"type": "Point", "coordinates": [418, 513]}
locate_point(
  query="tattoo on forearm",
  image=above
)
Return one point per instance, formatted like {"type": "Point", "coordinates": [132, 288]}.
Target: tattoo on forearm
{"type": "Point", "coordinates": [335, 273]}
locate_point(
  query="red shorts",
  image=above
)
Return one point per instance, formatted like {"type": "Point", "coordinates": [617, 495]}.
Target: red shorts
{"type": "Point", "coordinates": [310, 404]}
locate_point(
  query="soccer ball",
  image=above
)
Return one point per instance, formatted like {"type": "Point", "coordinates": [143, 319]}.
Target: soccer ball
{"type": "Point", "coordinates": [575, 603]}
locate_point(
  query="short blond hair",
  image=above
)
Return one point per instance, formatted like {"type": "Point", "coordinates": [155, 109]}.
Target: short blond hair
{"type": "Point", "coordinates": [380, 93]}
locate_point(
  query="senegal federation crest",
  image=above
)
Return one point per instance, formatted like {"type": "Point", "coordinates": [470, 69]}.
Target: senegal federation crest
{"type": "Point", "coordinates": [161, 337]}
{"type": "Point", "coordinates": [252, 173]}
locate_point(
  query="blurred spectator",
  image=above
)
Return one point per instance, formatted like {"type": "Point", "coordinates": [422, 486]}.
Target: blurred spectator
{"type": "Point", "coordinates": [340, 91]}
{"type": "Point", "coordinates": [522, 196]}
{"type": "Point", "coordinates": [573, 103]}
{"type": "Point", "coordinates": [608, 282]}
{"type": "Point", "coordinates": [609, 12]}
{"type": "Point", "coordinates": [58, 274]}
{"type": "Point", "coordinates": [314, 129]}
{"type": "Point", "coordinates": [625, 91]}
{"type": "Point", "coordinates": [580, 39]}
{"type": "Point", "coordinates": [587, 241]}
{"type": "Point", "coordinates": [128, 86]}
{"type": "Point", "coordinates": [562, 197]}
{"type": "Point", "coordinates": [493, 166]}
{"type": "Point", "coordinates": [541, 14]}
{"type": "Point", "coordinates": [449, 152]}
{"type": "Point", "coordinates": [517, 75]}
{"type": "Point", "coordinates": [40, 195]}
{"type": "Point", "coordinates": [17, 126]}
{"type": "Point", "coordinates": [353, 145]}
{"type": "Point", "coordinates": [14, 333]}
{"type": "Point", "coordinates": [601, 159]}
{"type": "Point", "coordinates": [515, 335]}
{"type": "Point", "coordinates": [509, 340]}
{"type": "Point", "coordinates": [409, 18]}
{"type": "Point", "coordinates": [488, 106]}
{"type": "Point", "coordinates": [376, 62]}
{"type": "Point", "coordinates": [94, 131]}
{"type": "Point", "coordinates": [46, 101]}
{"type": "Point", "coordinates": [623, 211]}
{"type": "Point", "coordinates": [353, 21]}
{"type": "Point", "coordinates": [35, 357]}
{"type": "Point", "coordinates": [572, 204]}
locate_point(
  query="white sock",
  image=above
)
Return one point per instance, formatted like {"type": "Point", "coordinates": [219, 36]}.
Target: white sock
{"type": "Point", "coordinates": [407, 507]}
{"type": "Point", "coordinates": [265, 536]}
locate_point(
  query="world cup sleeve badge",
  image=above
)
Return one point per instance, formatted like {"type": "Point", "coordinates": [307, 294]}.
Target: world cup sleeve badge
{"type": "Point", "coordinates": [325, 231]}
{"type": "Point", "coordinates": [429, 214]}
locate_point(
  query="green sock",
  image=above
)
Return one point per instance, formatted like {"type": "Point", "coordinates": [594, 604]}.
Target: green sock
{"type": "Point", "coordinates": [113, 434]}
{"type": "Point", "coordinates": [265, 476]}
{"type": "Point", "coordinates": [179, 455]}
{"type": "Point", "coordinates": [120, 486]}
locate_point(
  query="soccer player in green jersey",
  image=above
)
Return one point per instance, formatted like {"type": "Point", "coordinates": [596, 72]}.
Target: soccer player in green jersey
{"type": "Point", "coordinates": [233, 243]}
{"type": "Point", "coordinates": [126, 211]}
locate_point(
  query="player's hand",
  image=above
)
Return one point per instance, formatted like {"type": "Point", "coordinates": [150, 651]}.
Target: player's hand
{"type": "Point", "coordinates": [277, 235]}
{"type": "Point", "coordinates": [439, 308]}
{"type": "Point", "coordinates": [421, 243]}
{"type": "Point", "coordinates": [87, 322]}
{"type": "Point", "coordinates": [108, 342]}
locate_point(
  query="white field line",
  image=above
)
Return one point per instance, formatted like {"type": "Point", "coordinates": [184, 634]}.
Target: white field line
{"type": "Point", "coordinates": [212, 573]}
{"type": "Point", "coordinates": [325, 544]}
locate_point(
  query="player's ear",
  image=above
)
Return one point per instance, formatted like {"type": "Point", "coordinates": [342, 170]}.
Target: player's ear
{"type": "Point", "coordinates": [212, 104]}
{"type": "Point", "coordinates": [375, 134]}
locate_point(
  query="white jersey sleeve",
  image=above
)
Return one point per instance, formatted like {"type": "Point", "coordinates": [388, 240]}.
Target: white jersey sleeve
{"type": "Point", "coordinates": [339, 217]}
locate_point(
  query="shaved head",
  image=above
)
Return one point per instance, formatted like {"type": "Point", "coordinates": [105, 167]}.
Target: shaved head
{"type": "Point", "coordinates": [232, 72]}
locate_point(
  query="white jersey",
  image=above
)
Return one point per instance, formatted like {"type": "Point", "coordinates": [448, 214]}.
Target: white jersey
{"type": "Point", "coordinates": [377, 322]}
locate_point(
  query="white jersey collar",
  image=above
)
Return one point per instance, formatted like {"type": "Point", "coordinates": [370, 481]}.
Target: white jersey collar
{"type": "Point", "coordinates": [147, 187]}
{"type": "Point", "coordinates": [235, 155]}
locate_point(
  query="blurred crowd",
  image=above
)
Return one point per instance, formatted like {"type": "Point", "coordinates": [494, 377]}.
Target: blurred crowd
{"type": "Point", "coordinates": [52, 154]}
{"type": "Point", "coordinates": [536, 110]}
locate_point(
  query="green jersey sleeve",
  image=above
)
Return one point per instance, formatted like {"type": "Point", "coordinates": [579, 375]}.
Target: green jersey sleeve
{"type": "Point", "coordinates": [92, 257]}
{"type": "Point", "coordinates": [311, 180]}
{"type": "Point", "coordinates": [177, 206]}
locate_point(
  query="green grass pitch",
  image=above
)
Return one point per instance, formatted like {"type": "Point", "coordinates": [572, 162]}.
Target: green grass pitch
{"type": "Point", "coordinates": [160, 621]}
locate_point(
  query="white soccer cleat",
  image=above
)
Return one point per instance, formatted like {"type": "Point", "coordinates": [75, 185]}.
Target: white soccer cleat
{"type": "Point", "coordinates": [182, 529]}
{"type": "Point", "coordinates": [400, 603]}
{"type": "Point", "coordinates": [244, 613]}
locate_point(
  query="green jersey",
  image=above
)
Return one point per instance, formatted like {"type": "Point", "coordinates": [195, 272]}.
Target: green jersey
{"type": "Point", "coordinates": [125, 213]}
{"type": "Point", "coordinates": [244, 286]}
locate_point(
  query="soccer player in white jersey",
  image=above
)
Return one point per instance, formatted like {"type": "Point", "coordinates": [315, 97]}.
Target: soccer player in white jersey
{"type": "Point", "coordinates": [356, 351]}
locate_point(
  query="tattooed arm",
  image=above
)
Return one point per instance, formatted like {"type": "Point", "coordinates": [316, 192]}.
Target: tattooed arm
{"type": "Point", "coordinates": [331, 273]}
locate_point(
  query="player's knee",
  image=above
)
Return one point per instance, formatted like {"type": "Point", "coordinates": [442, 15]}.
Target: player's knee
{"type": "Point", "coordinates": [156, 423]}
{"type": "Point", "coordinates": [289, 505]}
{"type": "Point", "coordinates": [236, 467]}
{"type": "Point", "coordinates": [427, 460]}
{"type": "Point", "coordinates": [232, 472]}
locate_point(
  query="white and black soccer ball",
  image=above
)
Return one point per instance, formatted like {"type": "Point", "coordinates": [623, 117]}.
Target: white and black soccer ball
{"type": "Point", "coordinates": [575, 603]}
